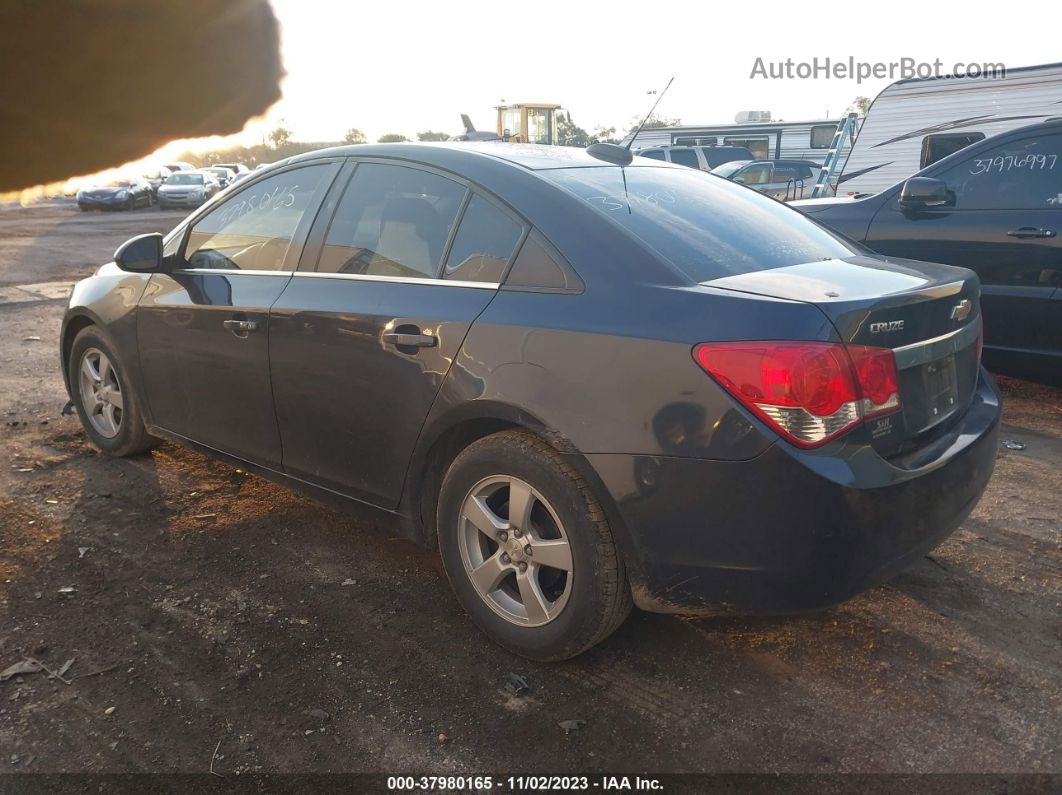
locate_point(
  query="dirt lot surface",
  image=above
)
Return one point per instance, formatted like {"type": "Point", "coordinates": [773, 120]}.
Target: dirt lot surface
{"type": "Point", "coordinates": [209, 611]}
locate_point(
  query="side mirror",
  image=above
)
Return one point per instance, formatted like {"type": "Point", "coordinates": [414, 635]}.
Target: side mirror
{"type": "Point", "coordinates": [141, 254]}
{"type": "Point", "coordinates": [921, 192]}
{"type": "Point", "coordinates": [739, 179]}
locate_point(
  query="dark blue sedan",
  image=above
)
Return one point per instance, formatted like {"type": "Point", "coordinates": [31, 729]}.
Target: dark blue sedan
{"type": "Point", "coordinates": [118, 194]}
{"type": "Point", "coordinates": [588, 381]}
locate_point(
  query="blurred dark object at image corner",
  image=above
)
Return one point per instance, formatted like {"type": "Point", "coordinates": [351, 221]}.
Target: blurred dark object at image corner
{"type": "Point", "coordinates": [89, 85]}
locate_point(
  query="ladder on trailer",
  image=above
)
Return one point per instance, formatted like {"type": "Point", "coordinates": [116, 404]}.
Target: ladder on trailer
{"type": "Point", "coordinates": [846, 132]}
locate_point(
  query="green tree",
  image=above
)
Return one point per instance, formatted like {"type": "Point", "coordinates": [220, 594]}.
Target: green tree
{"type": "Point", "coordinates": [605, 135]}
{"type": "Point", "coordinates": [281, 136]}
{"type": "Point", "coordinates": [859, 105]}
{"type": "Point", "coordinates": [354, 136]}
{"type": "Point", "coordinates": [569, 133]}
{"type": "Point", "coordinates": [653, 122]}
{"type": "Point", "coordinates": [391, 138]}
{"type": "Point", "coordinates": [430, 135]}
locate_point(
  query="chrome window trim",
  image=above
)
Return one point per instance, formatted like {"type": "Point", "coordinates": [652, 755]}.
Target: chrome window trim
{"type": "Point", "coordinates": [230, 271]}
{"type": "Point", "coordinates": [365, 277]}
{"type": "Point", "coordinates": [937, 348]}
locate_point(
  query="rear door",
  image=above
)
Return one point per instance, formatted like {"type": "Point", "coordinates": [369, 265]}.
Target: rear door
{"type": "Point", "coordinates": [364, 335]}
{"type": "Point", "coordinates": [1004, 221]}
{"type": "Point", "coordinates": [203, 326]}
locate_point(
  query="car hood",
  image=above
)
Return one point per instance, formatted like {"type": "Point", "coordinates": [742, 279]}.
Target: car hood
{"type": "Point", "coordinates": [179, 188]}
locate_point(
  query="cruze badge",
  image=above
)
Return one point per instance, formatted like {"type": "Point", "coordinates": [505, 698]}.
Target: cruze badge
{"type": "Point", "coordinates": [961, 310]}
{"type": "Point", "coordinates": [892, 325]}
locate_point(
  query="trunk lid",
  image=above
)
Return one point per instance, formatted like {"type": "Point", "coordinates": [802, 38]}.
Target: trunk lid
{"type": "Point", "coordinates": [928, 314]}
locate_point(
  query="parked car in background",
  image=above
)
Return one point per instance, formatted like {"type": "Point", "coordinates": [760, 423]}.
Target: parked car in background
{"type": "Point", "coordinates": [156, 178]}
{"type": "Point", "coordinates": [179, 165]}
{"type": "Point", "coordinates": [784, 180]}
{"type": "Point", "coordinates": [783, 422]}
{"type": "Point", "coordinates": [704, 158]}
{"type": "Point", "coordinates": [224, 176]}
{"type": "Point", "coordinates": [238, 169]}
{"type": "Point", "coordinates": [187, 189]}
{"type": "Point", "coordinates": [994, 207]}
{"type": "Point", "coordinates": [124, 193]}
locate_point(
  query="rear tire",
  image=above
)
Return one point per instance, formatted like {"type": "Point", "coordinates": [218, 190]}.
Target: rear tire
{"type": "Point", "coordinates": [534, 609]}
{"type": "Point", "coordinates": [106, 401]}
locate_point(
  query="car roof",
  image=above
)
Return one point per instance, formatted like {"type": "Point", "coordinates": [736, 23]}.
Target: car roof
{"type": "Point", "coordinates": [534, 157]}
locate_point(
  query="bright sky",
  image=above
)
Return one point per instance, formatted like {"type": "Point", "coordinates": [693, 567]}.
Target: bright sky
{"type": "Point", "coordinates": [411, 65]}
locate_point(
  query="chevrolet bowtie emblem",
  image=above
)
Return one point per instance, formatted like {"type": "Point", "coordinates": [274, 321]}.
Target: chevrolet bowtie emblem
{"type": "Point", "coordinates": [961, 310]}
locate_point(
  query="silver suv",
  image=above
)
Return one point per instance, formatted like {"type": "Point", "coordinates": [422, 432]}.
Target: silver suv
{"type": "Point", "coordinates": [703, 157]}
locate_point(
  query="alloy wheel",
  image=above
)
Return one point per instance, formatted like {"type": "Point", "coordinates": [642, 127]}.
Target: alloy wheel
{"type": "Point", "coordinates": [101, 393]}
{"type": "Point", "coordinates": [515, 551]}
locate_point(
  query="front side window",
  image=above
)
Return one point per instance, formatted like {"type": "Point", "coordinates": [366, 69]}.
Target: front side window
{"type": "Point", "coordinates": [759, 174]}
{"type": "Point", "coordinates": [684, 157]}
{"type": "Point", "coordinates": [654, 154]}
{"type": "Point", "coordinates": [822, 136]}
{"type": "Point", "coordinates": [392, 221]}
{"type": "Point", "coordinates": [1019, 175]}
{"type": "Point", "coordinates": [253, 229]}
{"type": "Point", "coordinates": [484, 243]}
{"type": "Point", "coordinates": [706, 227]}
{"type": "Point", "coordinates": [937, 147]}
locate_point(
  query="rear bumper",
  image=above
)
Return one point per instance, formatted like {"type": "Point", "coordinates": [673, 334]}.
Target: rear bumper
{"type": "Point", "coordinates": [793, 530]}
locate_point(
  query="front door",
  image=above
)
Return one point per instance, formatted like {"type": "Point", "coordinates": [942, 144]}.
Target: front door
{"type": "Point", "coordinates": [364, 335]}
{"type": "Point", "coordinates": [1004, 221]}
{"type": "Point", "coordinates": [203, 326]}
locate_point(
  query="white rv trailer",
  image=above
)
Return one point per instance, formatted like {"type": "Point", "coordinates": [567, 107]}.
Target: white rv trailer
{"type": "Point", "coordinates": [913, 123]}
{"type": "Point", "coordinates": [773, 140]}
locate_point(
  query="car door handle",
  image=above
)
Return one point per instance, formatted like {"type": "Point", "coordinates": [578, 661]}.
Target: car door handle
{"type": "Point", "coordinates": [411, 340]}
{"type": "Point", "coordinates": [240, 325]}
{"type": "Point", "coordinates": [1031, 231]}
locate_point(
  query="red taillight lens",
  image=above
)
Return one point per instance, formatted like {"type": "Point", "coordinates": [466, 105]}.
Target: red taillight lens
{"type": "Point", "coordinates": [810, 392]}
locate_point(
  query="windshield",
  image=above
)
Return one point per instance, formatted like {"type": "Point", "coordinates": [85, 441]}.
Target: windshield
{"type": "Point", "coordinates": [705, 226]}
{"type": "Point", "coordinates": [728, 169]}
{"type": "Point", "coordinates": [184, 178]}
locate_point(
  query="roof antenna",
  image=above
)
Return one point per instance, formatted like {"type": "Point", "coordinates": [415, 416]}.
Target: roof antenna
{"type": "Point", "coordinates": [621, 155]}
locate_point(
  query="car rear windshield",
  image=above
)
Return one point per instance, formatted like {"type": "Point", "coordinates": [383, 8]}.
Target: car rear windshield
{"type": "Point", "coordinates": [705, 226]}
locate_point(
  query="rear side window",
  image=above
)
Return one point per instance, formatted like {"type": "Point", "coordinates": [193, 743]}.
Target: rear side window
{"type": "Point", "coordinates": [685, 157]}
{"type": "Point", "coordinates": [655, 154]}
{"type": "Point", "coordinates": [391, 221]}
{"type": "Point", "coordinates": [253, 230]}
{"type": "Point", "coordinates": [937, 147]}
{"type": "Point", "coordinates": [484, 243]}
{"type": "Point", "coordinates": [706, 227]}
{"type": "Point", "coordinates": [1018, 175]}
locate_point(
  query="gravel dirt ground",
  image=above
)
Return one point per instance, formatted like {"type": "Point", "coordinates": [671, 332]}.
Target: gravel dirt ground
{"type": "Point", "coordinates": [215, 619]}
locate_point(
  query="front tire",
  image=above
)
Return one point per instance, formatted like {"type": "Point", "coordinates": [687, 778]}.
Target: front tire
{"type": "Point", "coordinates": [104, 396]}
{"type": "Point", "coordinates": [528, 550]}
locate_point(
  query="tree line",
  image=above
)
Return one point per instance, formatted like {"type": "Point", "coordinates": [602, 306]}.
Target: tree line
{"type": "Point", "coordinates": [280, 144]}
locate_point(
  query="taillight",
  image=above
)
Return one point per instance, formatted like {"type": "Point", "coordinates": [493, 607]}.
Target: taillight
{"type": "Point", "coordinates": [810, 392]}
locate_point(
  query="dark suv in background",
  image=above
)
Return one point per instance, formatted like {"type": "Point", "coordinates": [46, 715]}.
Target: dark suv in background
{"type": "Point", "coordinates": [996, 208]}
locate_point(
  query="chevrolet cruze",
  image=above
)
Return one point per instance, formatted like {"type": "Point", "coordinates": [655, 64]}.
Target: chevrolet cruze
{"type": "Point", "coordinates": [589, 381]}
